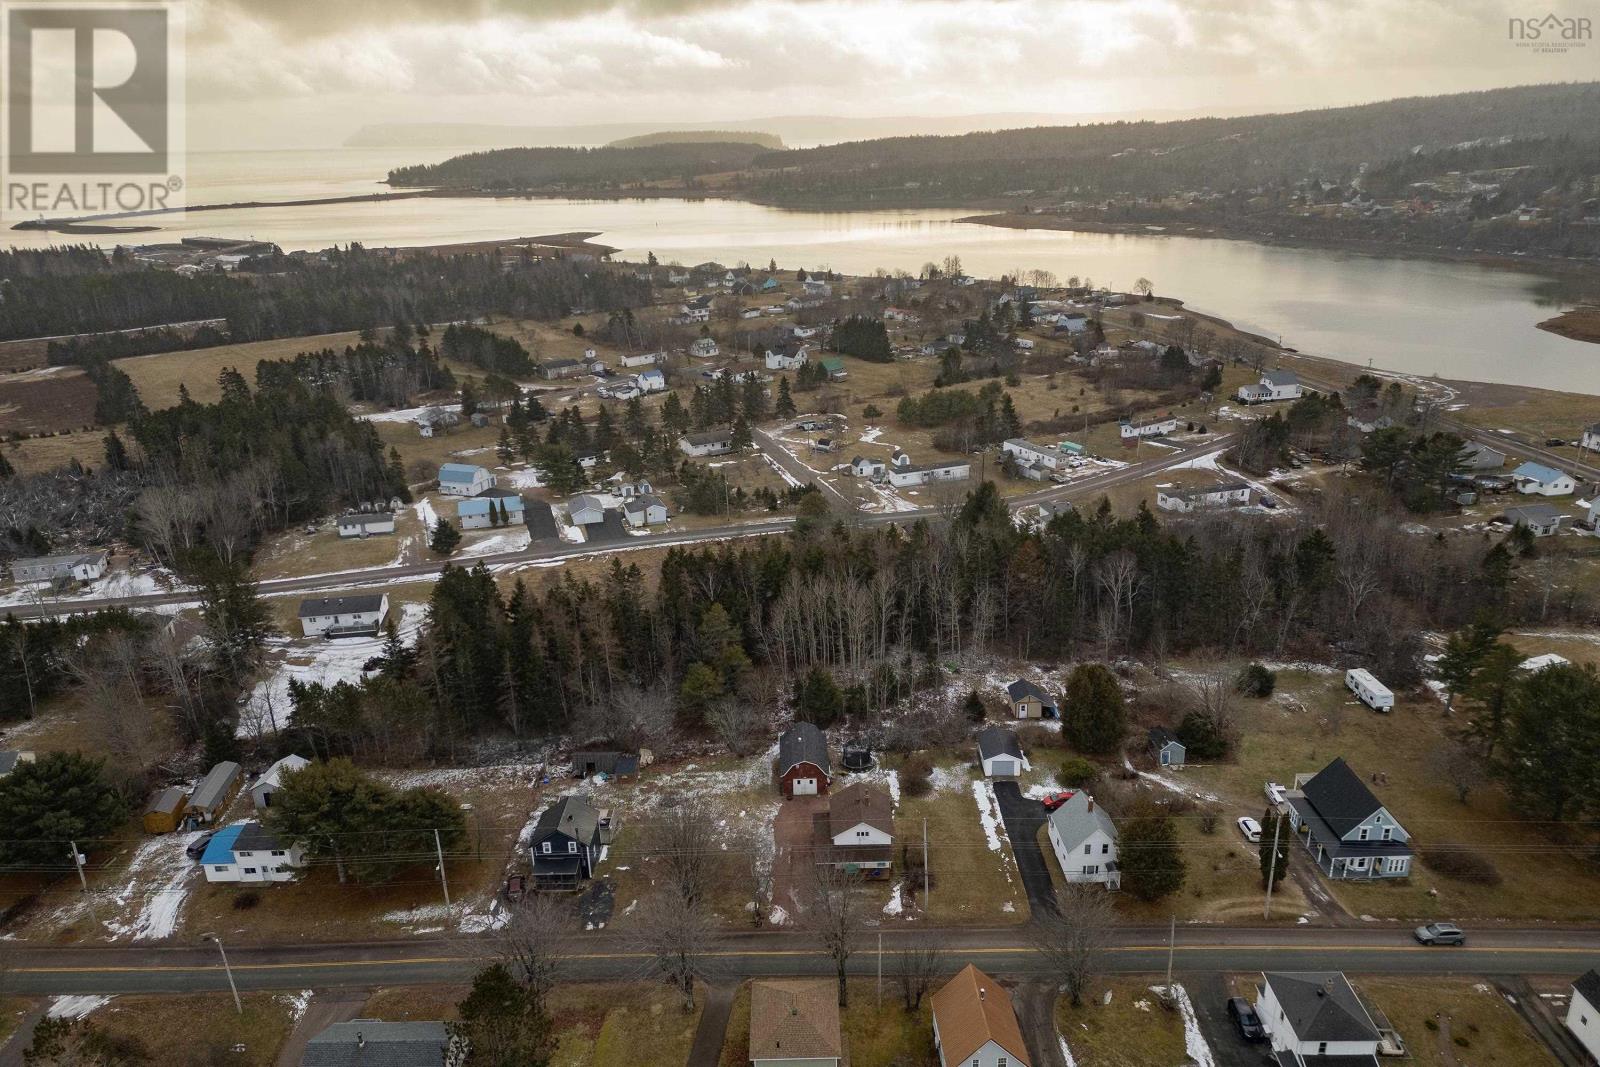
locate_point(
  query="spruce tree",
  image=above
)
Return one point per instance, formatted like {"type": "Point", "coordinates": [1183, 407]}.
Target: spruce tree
{"type": "Point", "coordinates": [445, 538]}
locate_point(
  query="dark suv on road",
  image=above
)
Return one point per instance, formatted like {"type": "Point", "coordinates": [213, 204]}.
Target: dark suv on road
{"type": "Point", "coordinates": [1245, 1018]}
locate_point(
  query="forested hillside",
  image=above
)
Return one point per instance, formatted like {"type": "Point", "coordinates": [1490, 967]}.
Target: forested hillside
{"type": "Point", "coordinates": [538, 168]}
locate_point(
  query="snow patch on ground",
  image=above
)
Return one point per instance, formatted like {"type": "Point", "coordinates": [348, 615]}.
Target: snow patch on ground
{"type": "Point", "coordinates": [297, 1002]}
{"type": "Point", "coordinates": [1168, 784]}
{"type": "Point", "coordinates": [426, 515]}
{"type": "Point", "coordinates": [896, 905]}
{"type": "Point", "coordinates": [75, 1007]}
{"type": "Point", "coordinates": [527, 478]}
{"type": "Point", "coordinates": [512, 541]}
{"type": "Point", "coordinates": [116, 584]}
{"type": "Point", "coordinates": [408, 414]}
{"type": "Point", "coordinates": [159, 877]}
{"type": "Point", "coordinates": [778, 916]}
{"type": "Point", "coordinates": [989, 814]}
{"type": "Point", "coordinates": [871, 434]}
{"type": "Point", "coordinates": [791, 480]}
{"type": "Point", "coordinates": [1066, 1053]}
{"type": "Point", "coordinates": [316, 660]}
{"type": "Point", "coordinates": [1194, 1042]}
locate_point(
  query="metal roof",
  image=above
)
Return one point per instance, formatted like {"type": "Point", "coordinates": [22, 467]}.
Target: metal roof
{"type": "Point", "coordinates": [459, 472]}
{"type": "Point", "coordinates": [219, 850]}
{"type": "Point", "coordinates": [215, 786]}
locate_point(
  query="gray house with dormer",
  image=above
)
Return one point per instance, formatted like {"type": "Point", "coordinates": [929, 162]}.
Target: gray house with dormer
{"type": "Point", "coordinates": [1347, 831]}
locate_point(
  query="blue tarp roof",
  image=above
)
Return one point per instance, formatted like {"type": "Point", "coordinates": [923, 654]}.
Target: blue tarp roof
{"type": "Point", "coordinates": [220, 848]}
{"type": "Point", "coordinates": [1538, 471]}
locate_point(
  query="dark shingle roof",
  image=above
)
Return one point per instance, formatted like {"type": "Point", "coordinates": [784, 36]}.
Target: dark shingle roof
{"type": "Point", "coordinates": [1339, 797]}
{"type": "Point", "coordinates": [1321, 1006]}
{"type": "Point", "coordinates": [1588, 985]}
{"type": "Point", "coordinates": [370, 1043]}
{"type": "Point", "coordinates": [255, 838]}
{"type": "Point", "coordinates": [860, 802]}
{"type": "Point", "coordinates": [339, 605]}
{"type": "Point", "coordinates": [802, 743]}
{"type": "Point", "coordinates": [571, 815]}
{"type": "Point", "coordinates": [998, 741]}
{"type": "Point", "coordinates": [1161, 737]}
{"type": "Point", "coordinates": [1022, 688]}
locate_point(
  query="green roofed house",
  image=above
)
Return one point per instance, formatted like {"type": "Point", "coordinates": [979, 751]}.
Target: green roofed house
{"type": "Point", "coordinates": [833, 366]}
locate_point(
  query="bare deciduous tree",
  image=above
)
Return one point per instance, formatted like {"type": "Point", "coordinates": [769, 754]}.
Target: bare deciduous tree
{"type": "Point", "coordinates": [918, 966]}
{"type": "Point", "coordinates": [631, 717]}
{"type": "Point", "coordinates": [529, 944]}
{"type": "Point", "coordinates": [676, 936]}
{"type": "Point", "coordinates": [1458, 765]}
{"type": "Point", "coordinates": [1073, 941]}
{"type": "Point", "coordinates": [683, 841]}
{"type": "Point", "coordinates": [835, 918]}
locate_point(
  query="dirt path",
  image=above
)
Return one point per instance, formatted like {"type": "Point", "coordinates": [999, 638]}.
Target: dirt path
{"type": "Point", "coordinates": [22, 1036]}
{"type": "Point", "coordinates": [323, 1011]}
{"type": "Point", "coordinates": [708, 1036]}
{"type": "Point", "coordinates": [1036, 1012]}
{"type": "Point", "coordinates": [793, 872]}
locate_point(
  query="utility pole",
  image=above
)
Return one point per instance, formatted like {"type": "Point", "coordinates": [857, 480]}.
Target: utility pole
{"type": "Point", "coordinates": [438, 850]}
{"type": "Point", "coordinates": [880, 970]}
{"type": "Point", "coordinates": [925, 901]}
{"type": "Point", "coordinates": [1172, 940]}
{"type": "Point", "coordinates": [1272, 867]}
{"type": "Point", "coordinates": [77, 865]}
{"type": "Point", "coordinates": [237, 1005]}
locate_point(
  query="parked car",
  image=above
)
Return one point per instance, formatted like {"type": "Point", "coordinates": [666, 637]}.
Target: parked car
{"type": "Point", "coordinates": [197, 848]}
{"type": "Point", "coordinates": [516, 887]}
{"type": "Point", "coordinates": [1052, 801]}
{"type": "Point", "coordinates": [1245, 1019]}
{"type": "Point", "coordinates": [1440, 934]}
{"type": "Point", "coordinates": [1554, 442]}
{"type": "Point", "coordinates": [1250, 829]}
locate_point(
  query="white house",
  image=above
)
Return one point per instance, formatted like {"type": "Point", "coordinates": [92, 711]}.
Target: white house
{"type": "Point", "coordinates": [707, 443]}
{"type": "Point", "coordinates": [271, 780]}
{"type": "Point", "coordinates": [464, 479]}
{"type": "Point", "coordinates": [1539, 480]}
{"type": "Point", "coordinates": [1277, 384]}
{"type": "Point", "coordinates": [586, 510]}
{"type": "Point", "coordinates": [366, 523]}
{"type": "Point", "coordinates": [1542, 520]}
{"type": "Point", "coordinates": [816, 287]}
{"type": "Point", "coordinates": [246, 853]}
{"type": "Point", "coordinates": [1311, 1016]}
{"type": "Point", "coordinates": [80, 567]}
{"type": "Point", "coordinates": [974, 1024]}
{"type": "Point", "coordinates": [704, 347]}
{"type": "Point", "coordinates": [696, 310]}
{"type": "Point", "coordinates": [1583, 1012]}
{"type": "Point", "coordinates": [646, 510]}
{"type": "Point", "coordinates": [790, 355]}
{"type": "Point", "coordinates": [1225, 494]}
{"type": "Point", "coordinates": [343, 616]}
{"type": "Point", "coordinates": [1347, 832]}
{"type": "Point", "coordinates": [1073, 323]}
{"type": "Point", "coordinates": [1035, 461]}
{"type": "Point", "coordinates": [1000, 752]}
{"type": "Point", "coordinates": [1477, 456]}
{"type": "Point", "coordinates": [641, 359]}
{"type": "Point", "coordinates": [1156, 427]}
{"type": "Point", "coordinates": [499, 507]}
{"type": "Point", "coordinates": [955, 470]}
{"type": "Point", "coordinates": [861, 829]}
{"type": "Point", "coordinates": [651, 381]}
{"type": "Point", "coordinates": [899, 315]}
{"type": "Point", "coordinates": [1084, 840]}
{"type": "Point", "coordinates": [868, 467]}
{"type": "Point", "coordinates": [1371, 692]}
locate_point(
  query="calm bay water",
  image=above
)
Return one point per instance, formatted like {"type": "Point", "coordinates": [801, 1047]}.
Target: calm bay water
{"type": "Point", "coordinates": [1415, 316]}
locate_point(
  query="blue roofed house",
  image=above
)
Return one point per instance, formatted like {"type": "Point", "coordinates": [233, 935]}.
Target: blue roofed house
{"type": "Point", "coordinates": [495, 507]}
{"type": "Point", "coordinates": [1539, 480]}
{"type": "Point", "coordinates": [464, 479]}
{"type": "Point", "coordinates": [245, 852]}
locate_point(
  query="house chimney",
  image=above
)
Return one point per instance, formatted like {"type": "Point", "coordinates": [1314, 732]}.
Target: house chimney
{"type": "Point", "coordinates": [1090, 801]}
{"type": "Point", "coordinates": [361, 1040]}
{"type": "Point", "coordinates": [982, 992]}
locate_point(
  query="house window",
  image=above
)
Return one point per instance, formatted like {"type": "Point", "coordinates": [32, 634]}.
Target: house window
{"type": "Point", "coordinates": [1001, 1062]}
{"type": "Point", "coordinates": [1105, 850]}
{"type": "Point", "coordinates": [1091, 868]}
{"type": "Point", "coordinates": [572, 846]}
{"type": "Point", "coordinates": [1088, 850]}
{"type": "Point", "coordinates": [1322, 1048]}
{"type": "Point", "coordinates": [546, 848]}
{"type": "Point", "coordinates": [249, 870]}
{"type": "Point", "coordinates": [221, 868]}
{"type": "Point", "coordinates": [1364, 833]}
{"type": "Point", "coordinates": [277, 852]}
{"type": "Point", "coordinates": [1388, 833]}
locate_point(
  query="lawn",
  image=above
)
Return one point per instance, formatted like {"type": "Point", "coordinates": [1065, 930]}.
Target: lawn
{"type": "Point", "coordinates": [1133, 1030]}
{"type": "Point", "coordinates": [12, 1009]}
{"type": "Point", "coordinates": [1309, 721]}
{"type": "Point", "coordinates": [421, 1003]}
{"type": "Point", "coordinates": [295, 553]}
{"type": "Point", "coordinates": [970, 881]}
{"type": "Point", "coordinates": [876, 1034]}
{"type": "Point", "coordinates": [635, 1024]}
{"type": "Point", "coordinates": [157, 377]}
{"type": "Point", "coordinates": [202, 1029]}
{"type": "Point", "coordinates": [1472, 1024]}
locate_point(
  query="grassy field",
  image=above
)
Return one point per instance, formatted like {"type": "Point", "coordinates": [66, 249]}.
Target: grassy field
{"type": "Point", "coordinates": [1134, 1030]}
{"type": "Point", "coordinates": [970, 883]}
{"type": "Point", "coordinates": [157, 377]}
{"type": "Point", "coordinates": [202, 1029]}
{"type": "Point", "coordinates": [415, 1002]}
{"type": "Point", "coordinates": [12, 1009]}
{"type": "Point", "coordinates": [296, 553]}
{"type": "Point", "coordinates": [1279, 740]}
{"type": "Point", "coordinates": [622, 1025]}
{"type": "Point", "coordinates": [46, 401]}
{"type": "Point", "coordinates": [1472, 1024]}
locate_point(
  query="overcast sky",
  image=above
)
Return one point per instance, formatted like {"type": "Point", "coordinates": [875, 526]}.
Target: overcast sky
{"type": "Point", "coordinates": [306, 73]}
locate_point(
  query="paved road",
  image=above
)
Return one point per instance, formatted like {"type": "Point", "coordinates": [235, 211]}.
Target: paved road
{"type": "Point", "coordinates": [546, 553]}
{"type": "Point", "coordinates": [69, 969]}
{"type": "Point", "coordinates": [1023, 818]}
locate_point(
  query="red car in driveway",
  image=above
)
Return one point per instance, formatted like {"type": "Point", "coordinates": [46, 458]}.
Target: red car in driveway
{"type": "Point", "coordinates": [1052, 801]}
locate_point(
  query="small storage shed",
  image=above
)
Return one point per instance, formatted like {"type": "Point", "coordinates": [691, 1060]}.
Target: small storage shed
{"type": "Point", "coordinates": [214, 793]}
{"type": "Point", "coordinates": [1000, 752]}
{"type": "Point", "coordinates": [165, 811]}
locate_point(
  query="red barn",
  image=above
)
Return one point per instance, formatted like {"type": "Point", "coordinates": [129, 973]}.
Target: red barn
{"type": "Point", "coordinates": [803, 768]}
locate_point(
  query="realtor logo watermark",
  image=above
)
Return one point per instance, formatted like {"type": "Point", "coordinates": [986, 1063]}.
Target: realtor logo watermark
{"type": "Point", "coordinates": [1550, 33]}
{"type": "Point", "coordinates": [93, 119]}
